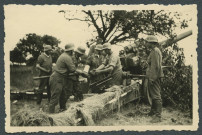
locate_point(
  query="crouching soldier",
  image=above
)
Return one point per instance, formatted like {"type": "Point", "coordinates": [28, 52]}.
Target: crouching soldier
{"type": "Point", "coordinates": [60, 84]}
{"type": "Point", "coordinates": [77, 92]}
{"type": "Point", "coordinates": [44, 64]}
{"type": "Point", "coordinates": [154, 73]}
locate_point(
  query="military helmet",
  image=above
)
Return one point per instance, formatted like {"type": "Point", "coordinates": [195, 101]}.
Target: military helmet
{"type": "Point", "coordinates": [69, 47]}
{"type": "Point", "coordinates": [107, 46]}
{"type": "Point", "coordinates": [47, 48]}
{"type": "Point", "coordinates": [151, 38]}
{"type": "Point", "coordinates": [81, 50]}
{"type": "Point", "coordinates": [99, 47]}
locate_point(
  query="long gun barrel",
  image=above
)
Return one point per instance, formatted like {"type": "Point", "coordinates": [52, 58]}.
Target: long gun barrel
{"type": "Point", "coordinates": [169, 41]}
{"type": "Point", "coordinates": [177, 38]}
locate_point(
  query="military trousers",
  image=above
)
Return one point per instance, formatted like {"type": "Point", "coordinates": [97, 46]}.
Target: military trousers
{"type": "Point", "coordinates": [117, 77]}
{"type": "Point", "coordinates": [155, 93]}
{"type": "Point", "coordinates": [60, 91]}
{"type": "Point", "coordinates": [44, 84]}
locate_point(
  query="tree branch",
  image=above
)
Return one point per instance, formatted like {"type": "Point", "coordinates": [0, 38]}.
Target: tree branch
{"type": "Point", "coordinates": [116, 38]}
{"type": "Point", "coordinates": [121, 39]}
{"type": "Point", "coordinates": [111, 27]}
{"type": "Point", "coordinates": [113, 33]}
{"type": "Point", "coordinates": [94, 23]}
{"type": "Point", "coordinates": [103, 24]}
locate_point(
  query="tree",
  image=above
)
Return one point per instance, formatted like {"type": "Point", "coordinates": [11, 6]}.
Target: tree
{"type": "Point", "coordinates": [50, 40]}
{"type": "Point", "coordinates": [118, 25]}
{"type": "Point", "coordinates": [16, 56]}
{"type": "Point", "coordinates": [33, 44]}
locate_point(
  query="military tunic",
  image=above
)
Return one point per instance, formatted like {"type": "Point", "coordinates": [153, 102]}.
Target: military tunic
{"type": "Point", "coordinates": [114, 61]}
{"type": "Point", "coordinates": [154, 73]}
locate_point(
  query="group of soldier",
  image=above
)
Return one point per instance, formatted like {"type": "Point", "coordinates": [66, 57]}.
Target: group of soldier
{"type": "Point", "coordinates": [101, 61]}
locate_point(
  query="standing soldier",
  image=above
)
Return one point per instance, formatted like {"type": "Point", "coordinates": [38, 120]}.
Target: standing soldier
{"type": "Point", "coordinates": [78, 95]}
{"type": "Point", "coordinates": [111, 65]}
{"type": "Point", "coordinates": [154, 73]}
{"type": "Point", "coordinates": [44, 64]}
{"type": "Point", "coordinates": [60, 84]}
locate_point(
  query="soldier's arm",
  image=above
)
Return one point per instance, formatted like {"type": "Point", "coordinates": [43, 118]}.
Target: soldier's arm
{"type": "Point", "coordinates": [106, 70]}
{"type": "Point", "coordinates": [103, 65]}
{"type": "Point", "coordinates": [110, 67]}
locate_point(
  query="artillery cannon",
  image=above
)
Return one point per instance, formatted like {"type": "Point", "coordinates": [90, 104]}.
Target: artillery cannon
{"type": "Point", "coordinates": [134, 55]}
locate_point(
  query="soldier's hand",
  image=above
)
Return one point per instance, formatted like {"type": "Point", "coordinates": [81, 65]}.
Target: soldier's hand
{"type": "Point", "coordinates": [92, 72]}
{"type": "Point", "coordinates": [48, 70]}
{"type": "Point", "coordinates": [84, 74]}
{"type": "Point", "coordinates": [97, 72]}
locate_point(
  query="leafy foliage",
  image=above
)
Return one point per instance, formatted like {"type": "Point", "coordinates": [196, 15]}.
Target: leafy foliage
{"type": "Point", "coordinates": [16, 56]}
{"type": "Point", "coordinates": [177, 83]}
{"type": "Point", "coordinates": [119, 25]}
{"type": "Point", "coordinates": [33, 44]}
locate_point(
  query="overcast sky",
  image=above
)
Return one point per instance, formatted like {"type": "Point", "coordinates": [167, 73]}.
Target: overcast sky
{"type": "Point", "coordinates": [23, 19]}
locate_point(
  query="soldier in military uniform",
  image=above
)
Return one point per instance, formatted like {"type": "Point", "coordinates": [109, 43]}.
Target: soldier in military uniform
{"type": "Point", "coordinates": [77, 92]}
{"type": "Point", "coordinates": [94, 61]}
{"type": "Point", "coordinates": [60, 84]}
{"type": "Point", "coordinates": [154, 73]}
{"type": "Point", "coordinates": [111, 65]}
{"type": "Point", "coordinates": [44, 64]}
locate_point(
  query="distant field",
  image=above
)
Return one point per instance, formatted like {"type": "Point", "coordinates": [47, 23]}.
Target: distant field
{"type": "Point", "coordinates": [21, 77]}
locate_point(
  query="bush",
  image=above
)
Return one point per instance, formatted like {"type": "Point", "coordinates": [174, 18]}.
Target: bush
{"type": "Point", "coordinates": [177, 87]}
{"type": "Point", "coordinates": [177, 83]}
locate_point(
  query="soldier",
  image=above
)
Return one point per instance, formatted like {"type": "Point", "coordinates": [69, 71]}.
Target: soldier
{"type": "Point", "coordinates": [94, 61]}
{"type": "Point", "coordinates": [78, 95]}
{"type": "Point", "coordinates": [111, 65]}
{"type": "Point", "coordinates": [60, 84]}
{"type": "Point", "coordinates": [92, 47]}
{"type": "Point", "coordinates": [44, 64]}
{"type": "Point", "coordinates": [154, 73]}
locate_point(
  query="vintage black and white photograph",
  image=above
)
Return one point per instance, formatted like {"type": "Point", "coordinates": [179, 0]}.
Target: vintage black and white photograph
{"type": "Point", "coordinates": [101, 68]}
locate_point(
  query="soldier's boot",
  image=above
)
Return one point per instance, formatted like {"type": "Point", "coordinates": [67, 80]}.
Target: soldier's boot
{"type": "Point", "coordinates": [49, 95]}
{"type": "Point", "coordinates": [62, 103]}
{"type": "Point", "coordinates": [51, 109]}
{"type": "Point", "coordinates": [80, 96]}
{"type": "Point", "coordinates": [152, 111]}
{"type": "Point", "coordinates": [157, 116]}
{"type": "Point", "coordinates": [39, 98]}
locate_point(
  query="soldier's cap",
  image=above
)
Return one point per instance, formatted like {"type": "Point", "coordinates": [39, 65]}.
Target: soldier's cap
{"type": "Point", "coordinates": [81, 50]}
{"type": "Point", "coordinates": [69, 47]}
{"type": "Point", "coordinates": [47, 48]}
{"type": "Point", "coordinates": [151, 38]}
{"type": "Point", "coordinates": [99, 47]}
{"type": "Point", "coordinates": [107, 46]}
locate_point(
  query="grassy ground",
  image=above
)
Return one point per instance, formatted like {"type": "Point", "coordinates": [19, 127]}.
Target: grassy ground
{"type": "Point", "coordinates": [132, 115]}
{"type": "Point", "coordinates": [129, 115]}
{"type": "Point", "coordinates": [21, 77]}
